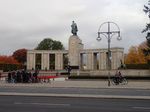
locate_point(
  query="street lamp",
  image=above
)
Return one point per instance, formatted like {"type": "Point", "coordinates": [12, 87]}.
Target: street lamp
{"type": "Point", "coordinates": [68, 68]}
{"type": "Point", "coordinates": [108, 34]}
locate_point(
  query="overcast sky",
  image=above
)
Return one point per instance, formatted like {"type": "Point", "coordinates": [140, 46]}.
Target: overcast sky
{"type": "Point", "coordinates": [24, 23]}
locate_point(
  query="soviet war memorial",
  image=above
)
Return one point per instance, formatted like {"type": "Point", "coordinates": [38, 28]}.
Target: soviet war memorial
{"type": "Point", "coordinates": [78, 57]}
{"type": "Point", "coordinates": [93, 62]}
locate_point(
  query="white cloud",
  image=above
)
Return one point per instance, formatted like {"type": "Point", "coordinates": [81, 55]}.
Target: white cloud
{"type": "Point", "coordinates": [24, 23]}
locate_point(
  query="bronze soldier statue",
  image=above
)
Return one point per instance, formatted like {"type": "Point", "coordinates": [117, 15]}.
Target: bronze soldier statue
{"type": "Point", "coordinates": [74, 28]}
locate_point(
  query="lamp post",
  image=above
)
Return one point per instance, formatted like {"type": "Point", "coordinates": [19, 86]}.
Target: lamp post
{"type": "Point", "coordinates": [108, 34]}
{"type": "Point", "coordinates": [69, 68]}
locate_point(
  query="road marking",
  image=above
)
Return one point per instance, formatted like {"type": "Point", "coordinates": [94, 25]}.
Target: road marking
{"type": "Point", "coordinates": [144, 108]}
{"type": "Point", "coordinates": [46, 104]}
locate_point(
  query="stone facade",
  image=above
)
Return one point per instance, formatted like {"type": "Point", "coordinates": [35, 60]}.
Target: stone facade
{"type": "Point", "coordinates": [45, 59]}
{"type": "Point", "coordinates": [75, 46]}
{"type": "Point", "coordinates": [95, 59]}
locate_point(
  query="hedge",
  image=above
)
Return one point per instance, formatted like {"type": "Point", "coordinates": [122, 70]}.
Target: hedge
{"type": "Point", "coordinates": [10, 67]}
{"type": "Point", "coordinates": [137, 66]}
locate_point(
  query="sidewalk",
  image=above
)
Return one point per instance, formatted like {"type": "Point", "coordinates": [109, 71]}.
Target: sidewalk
{"type": "Point", "coordinates": [143, 84]}
{"type": "Point", "coordinates": [76, 85]}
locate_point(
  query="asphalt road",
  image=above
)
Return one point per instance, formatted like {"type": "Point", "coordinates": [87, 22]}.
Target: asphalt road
{"type": "Point", "coordinates": [92, 91]}
{"type": "Point", "coordinates": [62, 104]}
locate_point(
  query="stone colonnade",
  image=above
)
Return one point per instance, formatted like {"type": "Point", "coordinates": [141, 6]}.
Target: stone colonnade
{"type": "Point", "coordinates": [99, 57]}
{"type": "Point", "coordinates": [45, 59]}
{"type": "Point", "coordinates": [96, 59]}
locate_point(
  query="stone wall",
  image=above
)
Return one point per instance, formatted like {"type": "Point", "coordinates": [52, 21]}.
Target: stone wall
{"type": "Point", "coordinates": [126, 73]}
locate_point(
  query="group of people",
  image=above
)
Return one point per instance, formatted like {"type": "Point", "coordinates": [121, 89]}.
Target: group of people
{"type": "Point", "coordinates": [22, 76]}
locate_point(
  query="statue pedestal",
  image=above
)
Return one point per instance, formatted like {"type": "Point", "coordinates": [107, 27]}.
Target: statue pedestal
{"type": "Point", "coordinates": [75, 46]}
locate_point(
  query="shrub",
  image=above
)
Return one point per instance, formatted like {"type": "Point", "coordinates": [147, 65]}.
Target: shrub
{"type": "Point", "coordinates": [10, 67]}
{"type": "Point", "coordinates": [137, 66]}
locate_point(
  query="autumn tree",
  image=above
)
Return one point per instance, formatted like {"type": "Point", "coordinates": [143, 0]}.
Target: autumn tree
{"type": "Point", "coordinates": [20, 55]}
{"type": "Point", "coordinates": [141, 57]}
{"type": "Point", "coordinates": [135, 56]}
{"type": "Point", "coordinates": [8, 60]}
{"type": "Point", "coordinates": [131, 57]}
{"type": "Point", "coordinates": [8, 63]}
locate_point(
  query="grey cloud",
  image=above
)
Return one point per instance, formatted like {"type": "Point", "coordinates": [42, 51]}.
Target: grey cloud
{"type": "Point", "coordinates": [24, 23]}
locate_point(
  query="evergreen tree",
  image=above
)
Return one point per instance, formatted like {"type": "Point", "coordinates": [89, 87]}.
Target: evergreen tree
{"type": "Point", "coordinates": [49, 44]}
{"type": "Point", "coordinates": [147, 29]}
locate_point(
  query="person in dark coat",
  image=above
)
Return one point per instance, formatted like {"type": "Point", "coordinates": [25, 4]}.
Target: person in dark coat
{"type": "Point", "coordinates": [18, 76]}
{"type": "Point", "coordinates": [9, 77]}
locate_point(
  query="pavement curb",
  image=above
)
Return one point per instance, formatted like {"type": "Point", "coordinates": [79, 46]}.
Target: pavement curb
{"type": "Point", "coordinates": [75, 95]}
{"type": "Point", "coordinates": [53, 86]}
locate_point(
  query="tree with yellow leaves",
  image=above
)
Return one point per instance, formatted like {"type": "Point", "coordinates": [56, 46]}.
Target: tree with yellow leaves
{"type": "Point", "coordinates": [135, 56]}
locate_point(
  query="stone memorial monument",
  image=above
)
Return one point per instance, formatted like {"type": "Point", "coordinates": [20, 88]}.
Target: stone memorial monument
{"type": "Point", "coordinates": [96, 59]}
{"type": "Point", "coordinates": [75, 46]}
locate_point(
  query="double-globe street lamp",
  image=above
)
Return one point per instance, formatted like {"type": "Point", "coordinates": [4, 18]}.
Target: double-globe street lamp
{"type": "Point", "coordinates": [109, 33]}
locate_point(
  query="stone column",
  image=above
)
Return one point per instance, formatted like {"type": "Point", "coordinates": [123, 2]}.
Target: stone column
{"type": "Point", "coordinates": [113, 60]}
{"type": "Point", "coordinates": [30, 61]}
{"type": "Point", "coordinates": [45, 61]}
{"type": "Point", "coordinates": [102, 61]}
{"type": "Point", "coordinates": [117, 57]}
{"type": "Point", "coordinates": [90, 61]}
{"type": "Point", "coordinates": [58, 61]}
{"type": "Point", "coordinates": [81, 61]}
{"type": "Point", "coordinates": [120, 56]}
{"type": "Point", "coordinates": [95, 61]}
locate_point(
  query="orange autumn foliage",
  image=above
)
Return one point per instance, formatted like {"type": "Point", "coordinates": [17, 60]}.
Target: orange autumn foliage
{"type": "Point", "coordinates": [8, 60]}
{"type": "Point", "coordinates": [20, 55]}
{"type": "Point", "coordinates": [135, 56]}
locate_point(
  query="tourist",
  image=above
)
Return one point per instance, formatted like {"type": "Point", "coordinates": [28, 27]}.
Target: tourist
{"type": "Point", "coordinates": [9, 77]}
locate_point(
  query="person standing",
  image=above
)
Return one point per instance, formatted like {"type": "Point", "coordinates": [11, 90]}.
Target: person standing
{"type": "Point", "coordinates": [9, 77]}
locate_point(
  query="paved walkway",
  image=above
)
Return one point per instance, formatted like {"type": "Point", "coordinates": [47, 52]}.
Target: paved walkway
{"type": "Point", "coordinates": [103, 84]}
{"type": "Point", "coordinates": [142, 84]}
